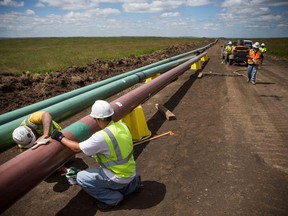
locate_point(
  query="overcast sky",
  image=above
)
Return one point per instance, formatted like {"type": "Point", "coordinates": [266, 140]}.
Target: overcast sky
{"type": "Point", "coordinates": [166, 18]}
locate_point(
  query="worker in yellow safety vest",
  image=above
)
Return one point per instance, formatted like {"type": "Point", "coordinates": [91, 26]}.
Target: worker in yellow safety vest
{"type": "Point", "coordinates": [112, 148]}
{"type": "Point", "coordinates": [228, 51]}
{"type": "Point", "coordinates": [263, 50]}
{"type": "Point", "coordinates": [254, 59]}
{"type": "Point", "coordinates": [37, 126]}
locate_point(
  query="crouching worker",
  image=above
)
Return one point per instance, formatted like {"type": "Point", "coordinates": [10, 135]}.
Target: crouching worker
{"type": "Point", "coordinates": [37, 126]}
{"type": "Point", "coordinates": [112, 147]}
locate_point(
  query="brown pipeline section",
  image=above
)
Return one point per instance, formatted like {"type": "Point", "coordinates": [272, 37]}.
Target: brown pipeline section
{"type": "Point", "coordinates": [22, 173]}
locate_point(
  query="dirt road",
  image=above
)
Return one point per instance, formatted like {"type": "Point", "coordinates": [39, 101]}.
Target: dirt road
{"type": "Point", "coordinates": [228, 156]}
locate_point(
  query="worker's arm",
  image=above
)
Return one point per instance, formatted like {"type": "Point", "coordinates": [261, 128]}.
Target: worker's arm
{"type": "Point", "coordinates": [47, 123]}
{"type": "Point", "coordinates": [74, 146]}
{"type": "Point", "coordinates": [44, 119]}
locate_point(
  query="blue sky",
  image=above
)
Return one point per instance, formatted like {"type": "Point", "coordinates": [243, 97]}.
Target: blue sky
{"type": "Point", "coordinates": [165, 18]}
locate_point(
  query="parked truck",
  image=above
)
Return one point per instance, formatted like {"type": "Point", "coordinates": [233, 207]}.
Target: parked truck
{"type": "Point", "coordinates": [240, 53]}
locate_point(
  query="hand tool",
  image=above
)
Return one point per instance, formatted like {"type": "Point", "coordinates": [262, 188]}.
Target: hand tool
{"type": "Point", "coordinates": [155, 137]}
{"type": "Point", "coordinates": [40, 142]}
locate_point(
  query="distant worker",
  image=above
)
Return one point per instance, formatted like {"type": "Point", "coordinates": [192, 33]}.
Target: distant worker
{"type": "Point", "coordinates": [38, 125]}
{"type": "Point", "coordinates": [263, 50]}
{"type": "Point", "coordinates": [112, 147]}
{"type": "Point", "coordinates": [257, 44]}
{"type": "Point", "coordinates": [228, 51]}
{"type": "Point", "coordinates": [254, 60]}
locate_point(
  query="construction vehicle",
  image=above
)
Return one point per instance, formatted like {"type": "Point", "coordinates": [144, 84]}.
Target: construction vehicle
{"type": "Point", "coordinates": [239, 53]}
{"type": "Point", "coordinates": [248, 43]}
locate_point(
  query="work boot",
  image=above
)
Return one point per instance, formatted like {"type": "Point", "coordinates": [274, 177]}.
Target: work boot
{"type": "Point", "coordinates": [138, 187]}
{"type": "Point", "coordinates": [103, 206]}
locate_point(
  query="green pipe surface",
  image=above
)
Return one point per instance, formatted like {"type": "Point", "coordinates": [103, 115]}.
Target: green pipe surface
{"type": "Point", "coordinates": [15, 180]}
{"type": "Point", "coordinates": [76, 104]}
{"type": "Point", "coordinates": [10, 116]}
{"type": "Point", "coordinates": [68, 107]}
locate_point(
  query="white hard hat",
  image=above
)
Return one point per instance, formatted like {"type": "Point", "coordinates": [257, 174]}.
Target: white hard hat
{"type": "Point", "coordinates": [262, 44]}
{"type": "Point", "coordinates": [256, 45]}
{"type": "Point", "coordinates": [24, 137]}
{"type": "Point", "coordinates": [101, 109]}
{"type": "Point", "coordinates": [230, 42]}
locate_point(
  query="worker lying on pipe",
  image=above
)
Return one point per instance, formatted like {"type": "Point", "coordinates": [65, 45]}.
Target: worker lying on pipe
{"type": "Point", "coordinates": [35, 127]}
{"type": "Point", "coordinates": [112, 147]}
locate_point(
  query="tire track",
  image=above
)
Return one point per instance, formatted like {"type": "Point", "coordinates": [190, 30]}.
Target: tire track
{"type": "Point", "coordinates": [266, 121]}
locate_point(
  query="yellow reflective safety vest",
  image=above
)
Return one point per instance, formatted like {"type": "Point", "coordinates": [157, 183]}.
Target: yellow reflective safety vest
{"type": "Point", "coordinates": [39, 127]}
{"type": "Point", "coordinates": [228, 49]}
{"type": "Point", "coordinates": [119, 139]}
{"type": "Point", "coordinates": [263, 49]}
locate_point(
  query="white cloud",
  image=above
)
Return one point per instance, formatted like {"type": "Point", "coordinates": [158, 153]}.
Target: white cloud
{"type": "Point", "coordinates": [274, 2]}
{"type": "Point", "coordinates": [234, 12]}
{"type": "Point", "coordinates": [153, 7]}
{"type": "Point", "coordinates": [69, 4]}
{"type": "Point", "coordinates": [212, 26]}
{"type": "Point", "coordinates": [196, 3]}
{"type": "Point", "coordinates": [39, 4]}
{"type": "Point", "coordinates": [234, 3]}
{"type": "Point", "coordinates": [11, 3]}
{"type": "Point", "coordinates": [80, 23]}
{"type": "Point", "coordinates": [254, 3]}
{"type": "Point", "coordinates": [281, 25]}
{"type": "Point", "coordinates": [169, 14]}
{"type": "Point", "coordinates": [255, 18]}
{"type": "Point", "coordinates": [29, 12]}
{"type": "Point", "coordinates": [157, 18]}
{"type": "Point", "coordinates": [105, 12]}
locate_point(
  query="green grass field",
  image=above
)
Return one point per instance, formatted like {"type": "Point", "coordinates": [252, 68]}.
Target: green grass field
{"type": "Point", "coordinates": [277, 47]}
{"type": "Point", "coordinates": [40, 55]}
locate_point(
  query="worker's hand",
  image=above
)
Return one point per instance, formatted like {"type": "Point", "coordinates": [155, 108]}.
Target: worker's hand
{"type": "Point", "coordinates": [57, 135]}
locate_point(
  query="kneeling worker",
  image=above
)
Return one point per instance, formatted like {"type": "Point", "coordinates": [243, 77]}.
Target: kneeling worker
{"type": "Point", "coordinates": [112, 147]}
{"type": "Point", "coordinates": [37, 126]}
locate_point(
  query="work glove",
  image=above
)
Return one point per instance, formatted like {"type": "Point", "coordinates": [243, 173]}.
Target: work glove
{"type": "Point", "coordinates": [57, 135]}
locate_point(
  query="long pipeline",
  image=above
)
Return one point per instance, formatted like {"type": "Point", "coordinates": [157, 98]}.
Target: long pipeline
{"type": "Point", "coordinates": [10, 116]}
{"type": "Point", "coordinates": [71, 106]}
{"type": "Point", "coordinates": [22, 173]}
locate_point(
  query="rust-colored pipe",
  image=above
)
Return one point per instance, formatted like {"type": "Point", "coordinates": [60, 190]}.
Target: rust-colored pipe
{"type": "Point", "coordinates": [22, 173]}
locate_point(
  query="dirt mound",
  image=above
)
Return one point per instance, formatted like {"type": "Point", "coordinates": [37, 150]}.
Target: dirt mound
{"type": "Point", "coordinates": [20, 91]}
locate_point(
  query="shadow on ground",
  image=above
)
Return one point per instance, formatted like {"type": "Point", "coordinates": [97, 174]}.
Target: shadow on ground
{"type": "Point", "coordinates": [150, 194]}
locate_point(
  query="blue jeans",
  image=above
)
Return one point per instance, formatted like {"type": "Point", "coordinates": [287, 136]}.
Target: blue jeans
{"type": "Point", "coordinates": [98, 185]}
{"type": "Point", "coordinates": [252, 71]}
{"type": "Point", "coordinates": [262, 58]}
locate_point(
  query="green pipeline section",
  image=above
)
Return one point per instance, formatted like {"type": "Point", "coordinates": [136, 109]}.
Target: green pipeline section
{"type": "Point", "coordinates": [66, 108]}
{"type": "Point", "coordinates": [70, 104]}
{"type": "Point", "coordinates": [10, 116]}
{"type": "Point", "coordinates": [25, 171]}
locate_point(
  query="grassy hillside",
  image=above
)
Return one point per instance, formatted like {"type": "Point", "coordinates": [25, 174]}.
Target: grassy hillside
{"type": "Point", "coordinates": [39, 55]}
